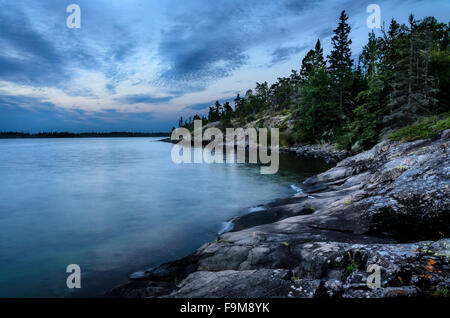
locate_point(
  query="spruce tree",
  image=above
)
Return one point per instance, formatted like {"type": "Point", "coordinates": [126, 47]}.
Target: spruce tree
{"type": "Point", "coordinates": [312, 60]}
{"type": "Point", "coordinates": [341, 64]}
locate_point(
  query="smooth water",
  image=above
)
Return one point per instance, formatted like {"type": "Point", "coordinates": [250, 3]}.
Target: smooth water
{"type": "Point", "coordinates": [114, 206]}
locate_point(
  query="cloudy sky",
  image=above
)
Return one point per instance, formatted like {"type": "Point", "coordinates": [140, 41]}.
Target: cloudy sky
{"type": "Point", "coordinates": [137, 65]}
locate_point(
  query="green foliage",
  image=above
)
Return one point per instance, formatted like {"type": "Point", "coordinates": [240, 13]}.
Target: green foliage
{"type": "Point", "coordinates": [344, 141]}
{"type": "Point", "coordinates": [286, 140]}
{"type": "Point", "coordinates": [368, 115]}
{"type": "Point", "coordinates": [442, 125]}
{"type": "Point", "coordinates": [340, 66]}
{"type": "Point", "coordinates": [290, 139]}
{"type": "Point", "coordinates": [312, 60]}
{"type": "Point", "coordinates": [402, 74]}
{"type": "Point", "coordinates": [353, 265]}
{"type": "Point", "coordinates": [423, 129]}
{"type": "Point", "coordinates": [250, 118]}
{"type": "Point", "coordinates": [440, 67]}
{"type": "Point", "coordinates": [318, 116]}
{"type": "Point", "coordinates": [412, 73]}
{"type": "Point", "coordinates": [441, 292]}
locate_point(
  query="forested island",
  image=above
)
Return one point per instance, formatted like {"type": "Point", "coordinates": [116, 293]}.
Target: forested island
{"type": "Point", "coordinates": [10, 134]}
{"type": "Point", "coordinates": [387, 206]}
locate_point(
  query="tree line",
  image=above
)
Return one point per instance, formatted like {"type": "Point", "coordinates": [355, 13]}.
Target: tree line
{"type": "Point", "coordinates": [400, 75]}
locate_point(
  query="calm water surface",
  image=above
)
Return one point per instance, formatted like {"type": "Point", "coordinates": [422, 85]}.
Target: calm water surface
{"type": "Point", "coordinates": [113, 206]}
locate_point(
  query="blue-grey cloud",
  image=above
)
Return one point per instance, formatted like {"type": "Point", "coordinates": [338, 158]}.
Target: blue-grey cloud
{"type": "Point", "coordinates": [47, 56]}
{"type": "Point", "coordinates": [26, 55]}
{"type": "Point", "coordinates": [300, 5]}
{"type": "Point", "coordinates": [284, 53]}
{"type": "Point", "coordinates": [200, 106]}
{"type": "Point", "coordinates": [145, 99]}
{"type": "Point", "coordinates": [190, 54]}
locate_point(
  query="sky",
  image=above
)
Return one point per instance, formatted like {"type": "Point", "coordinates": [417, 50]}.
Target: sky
{"type": "Point", "coordinates": [137, 65]}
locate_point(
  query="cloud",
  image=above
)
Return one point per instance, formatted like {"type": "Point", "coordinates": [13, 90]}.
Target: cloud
{"type": "Point", "coordinates": [144, 99]}
{"type": "Point", "coordinates": [38, 49]}
{"type": "Point", "coordinates": [190, 54]}
{"type": "Point", "coordinates": [298, 6]}
{"type": "Point", "coordinates": [26, 55]}
{"type": "Point", "coordinates": [284, 53]}
{"type": "Point", "coordinates": [200, 106]}
{"type": "Point", "coordinates": [26, 102]}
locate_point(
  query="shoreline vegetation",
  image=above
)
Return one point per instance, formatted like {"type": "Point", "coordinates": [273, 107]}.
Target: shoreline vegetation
{"type": "Point", "coordinates": [400, 78]}
{"type": "Point", "coordinates": [12, 135]}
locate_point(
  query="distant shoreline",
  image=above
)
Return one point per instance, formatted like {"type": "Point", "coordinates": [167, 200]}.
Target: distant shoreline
{"type": "Point", "coordinates": [21, 135]}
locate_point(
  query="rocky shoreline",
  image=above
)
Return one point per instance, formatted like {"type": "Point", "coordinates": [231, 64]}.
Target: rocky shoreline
{"type": "Point", "coordinates": [388, 206]}
{"type": "Point", "coordinates": [326, 152]}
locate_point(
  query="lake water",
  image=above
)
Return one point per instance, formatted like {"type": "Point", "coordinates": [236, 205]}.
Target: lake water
{"type": "Point", "coordinates": [114, 206]}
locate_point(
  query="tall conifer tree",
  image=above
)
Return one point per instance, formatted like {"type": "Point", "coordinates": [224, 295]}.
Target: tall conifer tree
{"type": "Point", "coordinates": [341, 64]}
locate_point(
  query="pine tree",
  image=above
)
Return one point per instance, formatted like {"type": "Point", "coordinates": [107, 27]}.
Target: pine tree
{"type": "Point", "coordinates": [312, 60]}
{"type": "Point", "coordinates": [211, 114]}
{"type": "Point", "coordinates": [238, 103]}
{"type": "Point", "coordinates": [226, 115]}
{"type": "Point", "coordinates": [217, 111]}
{"type": "Point", "coordinates": [341, 64]}
{"type": "Point", "coordinates": [262, 90]}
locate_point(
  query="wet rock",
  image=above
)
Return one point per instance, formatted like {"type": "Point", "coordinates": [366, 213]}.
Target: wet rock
{"type": "Point", "coordinates": [269, 215]}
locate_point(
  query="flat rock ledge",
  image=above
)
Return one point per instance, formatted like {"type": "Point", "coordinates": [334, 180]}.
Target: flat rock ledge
{"type": "Point", "coordinates": [388, 206]}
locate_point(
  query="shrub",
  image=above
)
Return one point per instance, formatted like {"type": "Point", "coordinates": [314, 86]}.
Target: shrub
{"type": "Point", "coordinates": [423, 129]}
{"type": "Point", "coordinates": [344, 141]}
